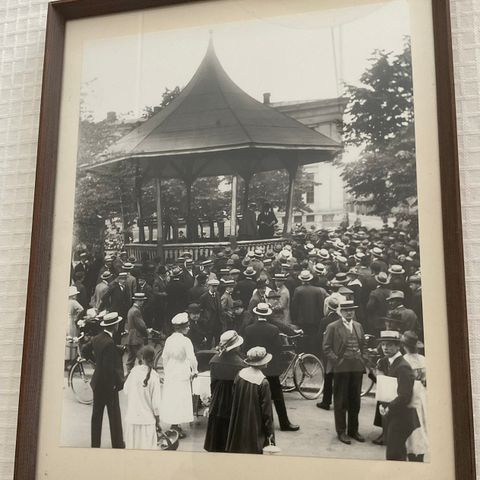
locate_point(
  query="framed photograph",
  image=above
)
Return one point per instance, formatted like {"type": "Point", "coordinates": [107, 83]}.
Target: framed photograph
{"type": "Point", "coordinates": [246, 240]}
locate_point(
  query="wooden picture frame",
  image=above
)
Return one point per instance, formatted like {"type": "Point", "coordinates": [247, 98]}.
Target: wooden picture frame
{"type": "Point", "coordinates": [59, 13]}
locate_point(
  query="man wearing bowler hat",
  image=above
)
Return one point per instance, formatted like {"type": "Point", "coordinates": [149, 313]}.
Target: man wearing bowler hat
{"type": "Point", "coordinates": [343, 346]}
{"type": "Point", "coordinates": [263, 334]}
{"type": "Point", "coordinates": [107, 381]}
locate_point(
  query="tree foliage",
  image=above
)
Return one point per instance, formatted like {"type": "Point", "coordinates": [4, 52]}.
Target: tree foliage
{"type": "Point", "coordinates": [380, 120]}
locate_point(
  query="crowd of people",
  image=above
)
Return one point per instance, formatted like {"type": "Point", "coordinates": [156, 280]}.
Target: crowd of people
{"type": "Point", "coordinates": [333, 286]}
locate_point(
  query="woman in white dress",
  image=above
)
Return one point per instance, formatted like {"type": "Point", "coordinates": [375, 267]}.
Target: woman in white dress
{"type": "Point", "coordinates": [142, 388]}
{"type": "Point", "coordinates": [417, 442]}
{"type": "Point", "coordinates": [180, 367]}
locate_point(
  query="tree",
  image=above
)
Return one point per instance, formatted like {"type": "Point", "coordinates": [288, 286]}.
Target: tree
{"type": "Point", "coordinates": [380, 119]}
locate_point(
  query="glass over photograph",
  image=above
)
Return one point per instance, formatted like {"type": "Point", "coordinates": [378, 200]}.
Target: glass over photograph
{"type": "Point", "coordinates": [245, 266]}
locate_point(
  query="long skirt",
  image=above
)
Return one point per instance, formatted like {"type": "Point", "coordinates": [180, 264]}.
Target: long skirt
{"type": "Point", "coordinates": [417, 442]}
{"type": "Point", "coordinates": [140, 437]}
{"type": "Point", "coordinates": [177, 405]}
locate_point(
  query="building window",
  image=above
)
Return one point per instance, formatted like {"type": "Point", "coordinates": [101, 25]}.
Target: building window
{"type": "Point", "coordinates": [310, 219]}
{"type": "Point", "coordinates": [297, 218]}
{"type": "Point", "coordinates": [310, 191]}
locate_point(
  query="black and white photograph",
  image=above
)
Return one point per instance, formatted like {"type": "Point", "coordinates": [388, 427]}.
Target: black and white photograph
{"type": "Point", "coordinates": [245, 266]}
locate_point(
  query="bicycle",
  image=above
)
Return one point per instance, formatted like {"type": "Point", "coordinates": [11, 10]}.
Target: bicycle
{"type": "Point", "coordinates": [372, 357]}
{"type": "Point", "coordinates": [81, 373]}
{"type": "Point", "coordinates": [304, 371]}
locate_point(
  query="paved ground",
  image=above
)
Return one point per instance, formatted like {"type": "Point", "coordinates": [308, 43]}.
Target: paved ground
{"type": "Point", "coordinates": [315, 438]}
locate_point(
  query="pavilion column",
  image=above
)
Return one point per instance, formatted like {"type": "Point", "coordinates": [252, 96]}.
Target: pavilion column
{"type": "Point", "coordinates": [288, 222]}
{"type": "Point", "coordinates": [233, 214]}
{"type": "Point", "coordinates": [158, 185]}
{"type": "Point", "coordinates": [188, 218]}
{"type": "Point", "coordinates": [138, 201]}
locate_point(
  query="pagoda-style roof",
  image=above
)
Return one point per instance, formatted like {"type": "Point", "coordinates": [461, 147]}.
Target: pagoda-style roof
{"type": "Point", "coordinates": [214, 128]}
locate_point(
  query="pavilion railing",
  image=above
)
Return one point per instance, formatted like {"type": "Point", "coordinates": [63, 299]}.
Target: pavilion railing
{"type": "Point", "coordinates": [198, 250]}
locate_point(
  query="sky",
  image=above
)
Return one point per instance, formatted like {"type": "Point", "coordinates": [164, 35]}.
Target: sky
{"type": "Point", "coordinates": [300, 57]}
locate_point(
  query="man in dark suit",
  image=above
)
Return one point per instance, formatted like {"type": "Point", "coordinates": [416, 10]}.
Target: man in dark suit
{"type": "Point", "coordinates": [177, 295]}
{"type": "Point", "coordinates": [244, 288]}
{"type": "Point", "coordinates": [377, 306]}
{"type": "Point", "coordinates": [343, 346]}
{"type": "Point", "coordinates": [307, 310]}
{"type": "Point", "coordinates": [263, 334]}
{"type": "Point", "coordinates": [197, 291]}
{"type": "Point", "coordinates": [399, 419]}
{"type": "Point", "coordinates": [107, 381]}
{"type": "Point", "coordinates": [117, 299]}
{"type": "Point", "coordinates": [137, 330]}
{"type": "Point", "coordinates": [211, 305]}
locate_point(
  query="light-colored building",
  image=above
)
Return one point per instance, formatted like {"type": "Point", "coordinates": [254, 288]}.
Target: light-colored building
{"type": "Point", "coordinates": [327, 198]}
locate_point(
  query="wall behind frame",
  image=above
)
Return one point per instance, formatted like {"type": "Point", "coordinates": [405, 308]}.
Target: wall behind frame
{"type": "Point", "coordinates": [22, 35]}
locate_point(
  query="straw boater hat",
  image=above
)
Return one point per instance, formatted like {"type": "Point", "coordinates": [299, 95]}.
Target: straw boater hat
{"type": "Point", "coordinates": [280, 276]}
{"type": "Point", "coordinates": [348, 305]}
{"type": "Point", "coordinates": [206, 263]}
{"type": "Point", "coordinates": [305, 276]}
{"type": "Point", "coordinates": [72, 291]}
{"type": "Point", "coordinates": [320, 268]}
{"type": "Point", "coordinates": [353, 271]}
{"type": "Point", "coordinates": [262, 310]}
{"type": "Point", "coordinates": [376, 252]}
{"type": "Point", "coordinates": [390, 336]}
{"type": "Point", "coordinates": [229, 340]}
{"type": "Point", "coordinates": [100, 315]}
{"type": "Point", "coordinates": [286, 254]}
{"type": "Point", "coordinates": [106, 275]}
{"type": "Point", "coordinates": [382, 278]}
{"type": "Point", "coordinates": [288, 248]}
{"type": "Point", "coordinates": [396, 295]}
{"type": "Point", "coordinates": [341, 278]}
{"type": "Point", "coordinates": [110, 319]}
{"type": "Point", "coordinates": [249, 272]}
{"type": "Point", "coordinates": [257, 356]}
{"type": "Point", "coordinates": [309, 246]}
{"type": "Point", "coordinates": [176, 272]}
{"type": "Point", "coordinates": [228, 282]}
{"type": "Point", "coordinates": [415, 279]}
{"type": "Point", "coordinates": [359, 256]}
{"type": "Point", "coordinates": [213, 281]}
{"type": "Point", "coordinates": [180, 319]}
{"type": "Point", "coordinates": [127, 266]}
{"type": "Point", "coordinates": [139, 297]}
{"type": "Point", "coordinates": [323, 253]}
{"type": "Point", "coordinates": [396, 270]}
{"type": "Point", "coordinates": [235, 271]}
{"type": "Point", "coordinates": [313, 253]}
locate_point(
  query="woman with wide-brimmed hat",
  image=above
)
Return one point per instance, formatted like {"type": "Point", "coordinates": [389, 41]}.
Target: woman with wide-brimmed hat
{"type": "Point", "coordinates": [251, 421]}
{"type": "Point", "coordinates": [224, 367]}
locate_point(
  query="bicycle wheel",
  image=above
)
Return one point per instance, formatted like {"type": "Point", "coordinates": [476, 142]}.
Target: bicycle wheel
{"type": "Point", "coordinates": [158, 363]}
{"type": "Point", "coordinates": [79, 378]}
{"type": "Point", "coordinates": [309, 376]}
{"type": "Point", "coordinates": [286, 378]}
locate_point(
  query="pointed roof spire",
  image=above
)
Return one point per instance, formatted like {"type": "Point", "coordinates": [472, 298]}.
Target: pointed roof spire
{"type": "Point", "coordinates": [214, 114]}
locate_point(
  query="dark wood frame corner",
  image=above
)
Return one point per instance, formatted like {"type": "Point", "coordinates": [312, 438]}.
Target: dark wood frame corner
{"type": "Point", "coordinates": [35, 321]}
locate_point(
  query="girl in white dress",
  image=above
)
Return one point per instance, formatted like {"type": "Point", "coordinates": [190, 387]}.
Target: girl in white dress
{"type": "Point", "coordinates": [142, 389]}
{"type": "Point", "coordinates": [180, 366]}
{"type": "Point", "coordinates": [417, 442]}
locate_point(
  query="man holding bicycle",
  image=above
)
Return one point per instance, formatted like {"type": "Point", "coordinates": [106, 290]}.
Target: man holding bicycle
{"type": "Point", "coordinates": [343, 346]}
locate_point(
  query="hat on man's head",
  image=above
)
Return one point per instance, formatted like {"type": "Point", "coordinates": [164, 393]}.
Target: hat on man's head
{"type": "Point", "coordinates": [262, 310]}
{"type": "Point", "coordinates": [228, 282]}
{"type": "Point", "coordinates": [139, 297]}
{"type": "Point", "coordinates": [382, 278]}
{"type": "Point", "coordinates": [390, 336]}
{"type": "Point", "coordinates": [286, 254]}
{"type": "Point", "coordinates": [180, 319]}
{"type": "Point", "coordinates": [332, 303]}
{"type": "Point", "coordinates": [313, 253]}
{"type": "Point", "coordinates": [353, 271]}
{"type": "Point", "coordinates": [257, 357]}
{"type": "Point", "coordinates": [396, 295]}
{"type": "Point", "coordinates": [415, 279]}
{"type": "Point", "coordinates": [214, 282]}
{"type": "Point", "coordinates": [132, 259]}
{"type": "Point", "coordinates": [206, 263]}
{"type": "Point", "coordinates": [83, 255]}
{"type": "Point", "coordinates": [224, 271]}
{"type": "Point", "coordinates": [110, 319]}
{"type": "Point", "coordinates": [235, 271]}
{"type": "Point", "coordinates": [309, 246]}
{"type": "Point", "coordinates": [123, 275]}
{"type": "Point", "coordinates": [323, 253]}
{"type": "Point", "coordinates": [72, 291]}
{"type": "Point", "coordinates": [176, 272]}
{"type": "Point", "coordinates": [194, 308]}
{"type": "Point", "coordinates": [127, 266]}
{"type": "Point", "coordinates": [258, 253]}
{"type": "Point", "coordinates": [410, 339]}
{"type": "Point", "coordinates": [348, 305]}
{"type": "Point", "coordinates": [229, 340]}
{"type": "Point", "coordinates": [341, 278]}
{"type": "Point", "coordinates": [106, 275]}
{"type": "Point", "coordinates": [280, 276]}
{"type": "Point", "coordinates": [305, 276]}
{"type": "Point", "coordinates": [359, 256]}
{"type": "Point", "coordinates": [108, 258]}
{"type": "Point", "coordinates": [100, 315]}
{"type": "Point", "coordinates": [249, 272]}
{"type": "Point", "coordinates": [396, 270]}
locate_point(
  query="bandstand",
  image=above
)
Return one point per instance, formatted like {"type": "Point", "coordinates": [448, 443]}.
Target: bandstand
{"type": "Point", "coordinates": [213, 128]}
